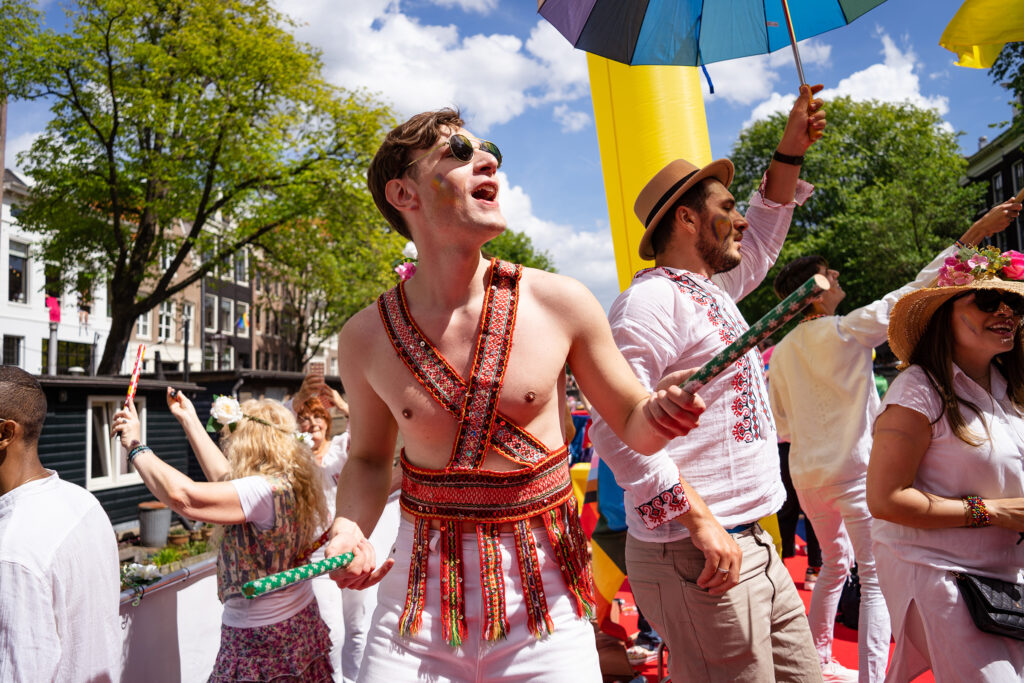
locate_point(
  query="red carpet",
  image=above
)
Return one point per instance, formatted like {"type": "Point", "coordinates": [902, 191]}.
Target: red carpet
{"type": "Point", "coordinates": [844, 645]}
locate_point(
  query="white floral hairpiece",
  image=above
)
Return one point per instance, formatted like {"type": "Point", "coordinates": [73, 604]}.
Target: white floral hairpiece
{"type": "Point", "coordinates": [227, 412]}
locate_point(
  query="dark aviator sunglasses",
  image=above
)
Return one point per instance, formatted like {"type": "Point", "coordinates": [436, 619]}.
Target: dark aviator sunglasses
{"type": "Point", "coordinates": [988, 301]}
{"type": "Point", "coordinates": [462, 148]}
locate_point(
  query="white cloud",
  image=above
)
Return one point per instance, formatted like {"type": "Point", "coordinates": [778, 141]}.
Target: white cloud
{"type": "Point", "coordinates": [585, 255]}
{"type": "Point", "coordinates": [479, 6]}
{"type": "Point", "coordinates": [16, 145]}
{"type": "Point", "coordinates": [571, 121]}
{"type": "Point", "coordinates": [749, 79]}
{"type": "Point", "coordinates": [895, 79]}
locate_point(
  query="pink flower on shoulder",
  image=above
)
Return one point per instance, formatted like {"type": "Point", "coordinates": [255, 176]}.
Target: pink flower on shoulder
{"type": "Point", "coordinates": [405, 270]}
{"type": "Point", "coordinates": [1014, 270]}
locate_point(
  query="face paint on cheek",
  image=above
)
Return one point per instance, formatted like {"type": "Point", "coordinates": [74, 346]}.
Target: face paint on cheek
{"type": "Point", "coordinates": [722, 227]}
{"type": "Point", "coordinates": [971, 327]}
{"type": "Point", "coordinates": [443, 188]}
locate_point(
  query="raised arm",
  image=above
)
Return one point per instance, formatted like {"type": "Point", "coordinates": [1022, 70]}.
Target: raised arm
{"type": "Point", "coordinates": [211, 459]}
{"type": "Point", "coordinates": [215, 502]}
{"type": "Point", "coordinates": [807, 114]}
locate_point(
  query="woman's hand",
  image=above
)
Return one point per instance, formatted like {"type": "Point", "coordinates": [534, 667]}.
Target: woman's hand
{"type": "Point", "coordinates": [337, 400]}
{"type": "Point", "coordinates": [181, 408]}
{"type": "Point", "coordinates": [362, 572]}
{"type": "Point", "coordinates": [127, 426]}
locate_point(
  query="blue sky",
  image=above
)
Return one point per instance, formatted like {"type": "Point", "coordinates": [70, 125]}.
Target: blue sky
{"type": "Point", "coordinates": [522, 85]}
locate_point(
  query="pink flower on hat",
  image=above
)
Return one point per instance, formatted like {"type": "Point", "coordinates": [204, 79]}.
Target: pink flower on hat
{"type": "Point", "coordinates": [977, 261]}
{"type": "Point", "coordinates": [954, 276]}
{"type": "Point", "coordinates": [1014, 270]}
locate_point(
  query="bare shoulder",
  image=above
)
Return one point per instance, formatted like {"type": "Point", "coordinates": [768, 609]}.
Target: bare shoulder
{"type": "Point", "coordinates": [360, 329]}
{"type": "Point", "coordinates": [559, 294]}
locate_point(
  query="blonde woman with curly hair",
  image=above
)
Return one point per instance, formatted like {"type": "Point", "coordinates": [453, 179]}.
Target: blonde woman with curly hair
{"type": "Point", "coordinates": [265, 489]}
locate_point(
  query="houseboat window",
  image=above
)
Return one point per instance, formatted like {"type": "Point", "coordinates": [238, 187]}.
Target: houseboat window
{"type": "Point", "coordinates": [107, 461]}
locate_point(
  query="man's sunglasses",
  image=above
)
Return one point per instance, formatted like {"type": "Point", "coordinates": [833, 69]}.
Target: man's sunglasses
{"type": "Point", "coordinates": [462, 148]}
{"type": "Point", "coordinates": [988, 301]}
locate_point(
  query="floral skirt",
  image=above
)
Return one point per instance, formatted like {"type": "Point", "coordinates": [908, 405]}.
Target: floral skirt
{"type": "Point", "coordinates": [296, 649]}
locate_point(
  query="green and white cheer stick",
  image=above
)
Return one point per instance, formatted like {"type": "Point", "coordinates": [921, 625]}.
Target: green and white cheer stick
{"type": "Point", "coordinates": [275, 582]}
{"type": "Point", "coordinates": [758, 332]}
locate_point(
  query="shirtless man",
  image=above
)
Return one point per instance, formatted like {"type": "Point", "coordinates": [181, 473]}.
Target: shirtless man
{"type": "Point", "coordinates": [497, 577]}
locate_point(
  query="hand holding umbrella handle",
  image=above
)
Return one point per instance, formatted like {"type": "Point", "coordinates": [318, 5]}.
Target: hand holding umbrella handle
{"type": "Point", "coordinates": [758, 332]}
{"type": "Point", "coordinates": [275, 582]}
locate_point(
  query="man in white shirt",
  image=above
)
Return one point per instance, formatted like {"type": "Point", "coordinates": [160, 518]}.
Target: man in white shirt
{"type": "Point", "coordinates": [712, 585]}
{"type": "Point", "coordinates": [59, 577]}
{"type": "Point", "coordinates": [824, 400]}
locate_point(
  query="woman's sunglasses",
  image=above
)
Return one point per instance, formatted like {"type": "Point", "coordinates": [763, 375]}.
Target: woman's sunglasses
{"type": "Point", "coordinates": [988, 301]}
{"type": "Point", "coordinates": [462, 148]}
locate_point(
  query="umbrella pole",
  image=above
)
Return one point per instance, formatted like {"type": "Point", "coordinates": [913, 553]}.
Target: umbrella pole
{"type": "Point", "coordinates": [792, 41]}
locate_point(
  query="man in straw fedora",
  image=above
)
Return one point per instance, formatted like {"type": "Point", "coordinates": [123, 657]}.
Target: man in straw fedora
{"type": "Point", "coordinates": [706, 575]}
{"type": "Point", "coordinates": [823, 396]}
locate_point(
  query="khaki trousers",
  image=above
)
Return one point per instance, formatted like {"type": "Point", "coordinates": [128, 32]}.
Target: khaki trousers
{"type": "Point", "coordinates": [756, 632]}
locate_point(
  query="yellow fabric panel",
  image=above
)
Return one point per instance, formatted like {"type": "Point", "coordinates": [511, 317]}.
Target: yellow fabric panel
{"type": "Point", "coordinates": [646, 116]}
{"type": "Point", "coordinates": [579, 473]}
{"type": "Point", "coordinates": [980, 28]}
{"type": "Point", "coordinates": [771, 525]}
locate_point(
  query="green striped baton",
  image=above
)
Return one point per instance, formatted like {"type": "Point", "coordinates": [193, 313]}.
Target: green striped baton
{"type": "Point", "coordinates": [758, 332]}
{"type": "Point", "coordinates": [275, 582]}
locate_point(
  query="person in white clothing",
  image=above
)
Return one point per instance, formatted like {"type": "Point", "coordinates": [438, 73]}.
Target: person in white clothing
{"type": "Point", "coordinates": [59, 572]}
{"type": "Point", "coordinates": [711, 583]}
{"type": "Point", "coordinates": [266, 492]}
{"type": "Point", "coordinates": [824, 399]}
{"type": "Point", "coordinates": [946, 479]}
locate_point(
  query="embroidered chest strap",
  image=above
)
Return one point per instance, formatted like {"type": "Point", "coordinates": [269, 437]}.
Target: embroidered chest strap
{"type": "Point", "coordinates": [446, 386]}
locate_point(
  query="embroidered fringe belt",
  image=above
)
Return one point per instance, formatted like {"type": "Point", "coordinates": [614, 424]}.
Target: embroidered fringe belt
{"type": "Point", "coordinates": [490, 499]}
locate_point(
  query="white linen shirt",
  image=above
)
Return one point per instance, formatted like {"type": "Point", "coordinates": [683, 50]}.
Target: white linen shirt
{"type": "Point", "coordinates": [953, 469]}
{"type": "Point", "coordinates": [59, 586]}
{"type": "Point", "coordinates": [822, 388]}
{"type": "Point", "coordinates": [670, 319]}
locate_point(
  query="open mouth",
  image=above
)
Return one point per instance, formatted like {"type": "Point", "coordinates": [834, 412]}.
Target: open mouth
{"type": "Point", "coordinates": [486, 192]}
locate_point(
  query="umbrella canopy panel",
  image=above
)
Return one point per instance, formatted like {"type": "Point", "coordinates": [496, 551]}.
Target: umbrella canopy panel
{"type": "Point", "coordinates": [692, 32]}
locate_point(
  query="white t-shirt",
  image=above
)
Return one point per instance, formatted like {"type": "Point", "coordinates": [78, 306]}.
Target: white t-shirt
{"type": "Point", "coordinates": [953, 469]}
{"type": "Point", "coordinates": [257, 499]}
{"type": "Point", "coordinates": [59, 586]}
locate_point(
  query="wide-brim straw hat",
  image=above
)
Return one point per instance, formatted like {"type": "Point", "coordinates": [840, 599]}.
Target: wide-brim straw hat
{"type": "Point", "coordinates": [668, 185]}
{"type": "Point", "coordinates": [910, 315]}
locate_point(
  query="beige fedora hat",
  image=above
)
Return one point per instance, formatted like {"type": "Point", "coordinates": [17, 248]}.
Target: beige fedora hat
{"type": "Point", "coordinates": [668, 185]}
{"type": "Point", "coordinates": [910, 315]}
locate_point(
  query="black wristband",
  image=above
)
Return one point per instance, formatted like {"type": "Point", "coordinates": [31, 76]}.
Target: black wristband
{"type": "Point", "coordinates": [787, 159]}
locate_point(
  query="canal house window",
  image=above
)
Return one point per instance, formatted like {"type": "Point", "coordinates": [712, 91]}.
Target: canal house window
{"type": "Point", "coordinates": [106, 460]}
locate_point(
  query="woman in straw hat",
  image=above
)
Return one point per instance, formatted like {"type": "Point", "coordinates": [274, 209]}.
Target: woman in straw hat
{"type": "Point", "coordinates": [946, 476]}
{"type": "Point", "coordinates": [264, 488]}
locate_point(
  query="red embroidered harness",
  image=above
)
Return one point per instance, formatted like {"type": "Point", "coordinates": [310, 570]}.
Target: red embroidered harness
{"type": "Point", "coordinates": [463, 492]}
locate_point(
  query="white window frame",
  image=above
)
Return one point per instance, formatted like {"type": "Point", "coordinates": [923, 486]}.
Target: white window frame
{"type": "Point", "coordinates": [227, 357]}
{"type": "Point", "coordinates": [241, 308]}
{"type": "Point", "coordinates": [165, 321]}
{"type": "Point", "coordinates": [230, 316]}
{"type": "Point", "coordinates": [19, 343]}
{"type": "Point", "coordinates": [114, 478]}
{"type": "Point", "coordinates": [243, 256]}
{"type": "Point", "coordinates": [188, 313]}
{"type": "Point", "coordinates": [211, 325]}
{"type": "Point", "coordinates": [998, 191]}
{"type": "Point", "coordinates": [24, 251]}
{"type": "Point", "coordinates": [142, 326]}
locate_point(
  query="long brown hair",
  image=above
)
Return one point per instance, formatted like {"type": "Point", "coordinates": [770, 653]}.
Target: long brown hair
{"type": "Point", "coordinates": [934, 353]}
{"type": "Point", "coordinates": [273, 451]}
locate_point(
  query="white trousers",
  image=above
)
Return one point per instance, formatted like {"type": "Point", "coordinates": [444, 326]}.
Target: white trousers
{"type": "Point", "coordinates": [568, 654]}
{"type": "Point", "coordinates": [842, 524]}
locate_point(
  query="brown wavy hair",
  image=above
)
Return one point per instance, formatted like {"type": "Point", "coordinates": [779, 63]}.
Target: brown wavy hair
{"type": "Point", "coordinates": [273, 451]}
{"type": "Point", "coordinates": [934, 353]}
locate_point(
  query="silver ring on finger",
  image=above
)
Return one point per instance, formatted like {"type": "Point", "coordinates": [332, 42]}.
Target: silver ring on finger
{"type": "Point", "coordinates": [724, 571]}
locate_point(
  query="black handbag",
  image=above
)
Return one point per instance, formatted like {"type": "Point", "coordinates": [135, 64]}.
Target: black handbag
{"type": "Point", "coordinates": [848, 612]}
{"type": "Point", "coordinates": [995, 606]}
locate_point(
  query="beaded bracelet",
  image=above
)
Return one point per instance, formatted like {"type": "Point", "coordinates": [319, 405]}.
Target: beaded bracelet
{"type": "Point", "coordinates": [138, 450]}
{"type": "Point", "coordinates": [960, 245]}
{"type": "Point", "coordinates": [975, 512]}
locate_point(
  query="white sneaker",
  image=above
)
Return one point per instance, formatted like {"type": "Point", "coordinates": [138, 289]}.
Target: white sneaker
{"type": "Point", "coordinates": [834, 672]}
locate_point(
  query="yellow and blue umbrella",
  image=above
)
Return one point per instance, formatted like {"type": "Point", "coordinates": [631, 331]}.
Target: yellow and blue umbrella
{"type": "Point", "coordinates": [695, 32]}
{"type": "Point", "coordinates": [980, 28]}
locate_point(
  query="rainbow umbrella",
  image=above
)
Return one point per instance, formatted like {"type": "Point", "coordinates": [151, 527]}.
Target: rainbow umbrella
{"type": "Point", "coordinates": [980, 28]}
{"type": "Point", "coordinates": [695, 32]}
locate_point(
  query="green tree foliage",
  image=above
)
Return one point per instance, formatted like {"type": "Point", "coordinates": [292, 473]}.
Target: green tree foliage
{"type": "Point", "coordinates": [886, 199]}
{"type": "Point", "coordinates": [517, 247]}
{"type": "Point", "coordinates": [1008, 71]}
{"type": "Point", "coordinates": [184, 126]}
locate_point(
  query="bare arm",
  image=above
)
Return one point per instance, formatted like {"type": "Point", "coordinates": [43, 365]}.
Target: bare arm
{"type": "Point", "coordinates": [215, 502]}
{"type": "Point", "coordinates": [644, 421]}
{"type": "Point", "coordinates": [902, 437]}
{"type": "Point", "coordinates": [806, 114]}
{"type": "Point", "coordinates": [367, 476]}
{"type": "Point", "coordinates": [996, 220]}
{"type": "Point", "coordinates": [215, 465]}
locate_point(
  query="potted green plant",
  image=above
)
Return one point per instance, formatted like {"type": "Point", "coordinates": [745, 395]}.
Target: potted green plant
{"type": "Point", "coordinates": [207, 531]}
{"type": "Point", "coordinates": [178, 536]}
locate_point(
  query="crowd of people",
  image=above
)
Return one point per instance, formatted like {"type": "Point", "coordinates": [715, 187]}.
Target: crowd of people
{"type": "Point", "coordinates": [489, 575]}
